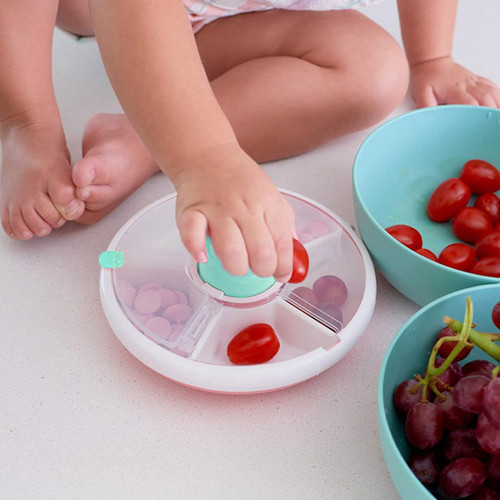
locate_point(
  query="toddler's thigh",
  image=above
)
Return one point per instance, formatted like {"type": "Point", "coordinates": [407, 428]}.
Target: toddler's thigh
{"type": "Point", "coordinates": [343, 39]}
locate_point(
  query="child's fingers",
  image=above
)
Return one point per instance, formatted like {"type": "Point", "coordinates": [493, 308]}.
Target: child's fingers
{"type": "Point", "coordinates": [425, 97]}
{"type": "Point", "coordinates": [193, 230]}
{"type": "Point", "coordinates": [486, 93]}
{"type": "Point", "coordinates": [282, 236]}
{"type": "Point", "coordinates": [229, 246]}
{"type": "Point", "coordinates": [262, 255]}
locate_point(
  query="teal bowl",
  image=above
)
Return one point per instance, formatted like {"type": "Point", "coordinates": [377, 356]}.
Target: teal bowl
{"type": "Point", "coordinates": [395, 171]}
{"type": "Point", "coordinates": [408, 354]}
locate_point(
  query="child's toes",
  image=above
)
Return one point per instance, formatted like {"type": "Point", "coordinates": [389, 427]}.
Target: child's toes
{"type": "Point", "coordinates": [35, 222]}
{"type": "Point", "coordinates": [64, 198]}
{"type": "Point", "coordinates": [16, 226]}
{"type": "Point", "coordinates": [83, 172]}
{"type": "Point", "coordinates": [49, 213]}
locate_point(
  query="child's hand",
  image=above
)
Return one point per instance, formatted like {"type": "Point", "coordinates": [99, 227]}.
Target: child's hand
{"type": "Point", "coordinates": [226, 195]}
{"type": "Point", "coordinates": [443, 81]}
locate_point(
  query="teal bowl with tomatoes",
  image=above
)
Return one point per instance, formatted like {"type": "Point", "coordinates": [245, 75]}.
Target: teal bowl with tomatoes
{"type": "Point", "coordinates": [407, 355]}
{"type": "Point", "coordinates": [396, 170]}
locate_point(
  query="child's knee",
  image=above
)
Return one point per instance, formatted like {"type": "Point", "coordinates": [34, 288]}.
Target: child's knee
{"type": "Point", "coordinates": [384, 81]}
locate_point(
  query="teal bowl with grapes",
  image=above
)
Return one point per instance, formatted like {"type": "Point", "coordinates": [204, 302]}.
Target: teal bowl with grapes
{"type": "Point", "coordinates": [408, 354]}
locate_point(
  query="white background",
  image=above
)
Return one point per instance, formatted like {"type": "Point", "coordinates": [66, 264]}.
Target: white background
{"type": "Point", "coordinates": [81, 418]}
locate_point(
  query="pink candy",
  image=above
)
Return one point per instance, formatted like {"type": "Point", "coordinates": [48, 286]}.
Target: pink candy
{"type": "Point", "coordinates": [178, 313]}
{"type": "Point", "coordinates": [147, 302]}
{"type": "Point", "coordinates": [162, 311]}
{"type": "Point", "coordinates": [159, 326]}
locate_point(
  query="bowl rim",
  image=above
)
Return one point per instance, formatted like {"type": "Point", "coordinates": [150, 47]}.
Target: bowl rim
{"type": "Point", "coordinates": [381, 409]}
{"type": "Point", "coordinates": [368, 214]}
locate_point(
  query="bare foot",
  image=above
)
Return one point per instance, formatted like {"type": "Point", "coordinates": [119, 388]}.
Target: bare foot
{"type": "Point", "coordinates": [115, 163]}
{"type": "Point", "coordinates": [36, 192]}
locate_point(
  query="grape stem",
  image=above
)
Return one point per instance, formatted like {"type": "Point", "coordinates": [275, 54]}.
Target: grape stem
{"type": "Point", "coordinates": [484, 341]}
{"type": "Point", "coordinates": [433, 372]}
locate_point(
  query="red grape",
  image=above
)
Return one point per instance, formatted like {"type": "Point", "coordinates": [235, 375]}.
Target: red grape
{"type": "Point", "coordinates": [329, 312]}
{"type": "Point", "coordinates": [424, 425]}
{"type": "Point", "coordinates": [454, 416]}
{"type": "Point", "coordinates": [406, 395]}
{"type": "Point", "coordinates": [426, 465]}
{"type": "Point", "coordinates": [330, 288]}
{"type": "Point", "coordinates": [462, 443]}
{"type": "Point", "coordinates": [450, 376]}
{"type": "Point", "coordinates": [468, 392]}
{"type": "Point", "coordinates": [493, 471]}
{"type": "Point", "coordinates": [478, 366]}
{"type": "Point", "coordinates": [488, 435]}
{"type": "Point", "coordinates": [491, 401]}
{"type": "Point", "coordinates": [447, 347]}
{"type": "Point", "coordinates": [486, 493]}
{"type": "Point", "coordinates": [305, 297]}
{"type": "Point", "coordinates": [462, 477]}
{"type": "Point", "coordinates": [495, 315]}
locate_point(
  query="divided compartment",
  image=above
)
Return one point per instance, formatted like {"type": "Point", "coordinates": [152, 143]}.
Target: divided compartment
{"type": "Point", "coordinates": [154, 264]}
{"type": "Point", "coordinates": [337, 254]}
{"type": "Point", "coordinates": [297, 333]}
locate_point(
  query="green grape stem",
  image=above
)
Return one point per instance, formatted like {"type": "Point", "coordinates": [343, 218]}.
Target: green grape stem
{"type": "Point", "coordinates": [433, 372]}
{"type": "Point", "coordinates": [484, 341]}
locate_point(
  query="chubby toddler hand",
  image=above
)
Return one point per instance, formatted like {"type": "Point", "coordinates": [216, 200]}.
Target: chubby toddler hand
{"type": "Point", "coordinates": [443, 81]}
{"type": "Point", "coordinates": [226, 195]}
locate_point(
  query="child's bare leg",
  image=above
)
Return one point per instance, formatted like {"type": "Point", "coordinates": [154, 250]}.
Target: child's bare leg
{"type": "Point", "coordinates": [36, 192]}
{"type": "Point", "coordinates": [288, 81]}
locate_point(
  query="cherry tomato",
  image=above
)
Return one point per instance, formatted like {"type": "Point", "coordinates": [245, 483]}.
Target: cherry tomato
{"type": "Point", "coordinates": [487, 266]}
{"type": "Point", "coordinates": [480, 176]}
{"type": "Point", "coordinates": [447, 199]}
{"type": "Point", "coordinates": [471, 224]}
{"type": "Point", "coordinates": [488, 245]}
{"type": "Point", "coordinates": [255, 344]}
{"type": "Point", "coordinates": [495, 315]}
{"type": "Point", "coordinates": [424, 252]}
{"type": "Point", "coordinates": [300, 262]}
{"type": "Point", "coordinates": [458, 256]}
{"type": "Point", "coordinates": [489, 203]}
{"type": "Point", "coordinates": [406, 235]}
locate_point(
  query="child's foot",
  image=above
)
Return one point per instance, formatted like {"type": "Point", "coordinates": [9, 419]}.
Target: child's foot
{"type": "Point", "coordinates": [37, 193]}
{"type": "Point", "coordinates": [115, 163]}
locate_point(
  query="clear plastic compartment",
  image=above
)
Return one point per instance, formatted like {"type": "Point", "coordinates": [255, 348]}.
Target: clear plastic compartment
{"type": "Point", "coordinates": [157, 268]}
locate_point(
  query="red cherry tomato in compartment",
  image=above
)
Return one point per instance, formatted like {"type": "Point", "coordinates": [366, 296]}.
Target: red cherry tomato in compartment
{"type": "Point", "coordinates": [447, 199]}
{"type": "Point", "coordinates": [480, 176]}
{"type": "Point", "coordinates": [471, 224]}
{"type": "Point", "coordinates": [425, 252]}
{"type": "Point", "coordinates": [300, 262]}
{"type": "Point", "coordinates": [458, 256]}
{"type": "Point", "coordinates": [406, 235]}
{"type": "Point", "coordinates": [487, 266]}
{"type": "Point", "coordinates": [255, 344]}
{"type": "Point", "coordinates": [488, 245]}
{"type": "Point", "coordinates": [489, 203]}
